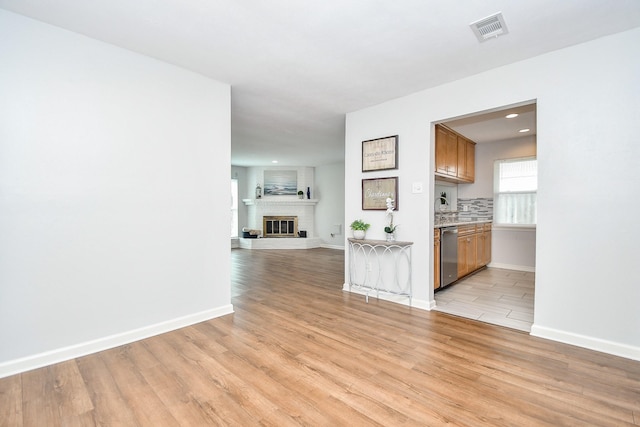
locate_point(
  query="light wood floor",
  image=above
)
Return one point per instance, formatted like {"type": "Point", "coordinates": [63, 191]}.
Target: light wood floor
{"type": "Point", "coordinates": [300, 351]}
{"type": "Point", "coordinates": [493, 295]}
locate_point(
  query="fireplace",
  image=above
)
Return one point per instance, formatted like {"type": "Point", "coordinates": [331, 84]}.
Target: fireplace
{"type": "Point", "coordinates": [298, 217]}
{"type": "Point", "coordinates": [280, 226]}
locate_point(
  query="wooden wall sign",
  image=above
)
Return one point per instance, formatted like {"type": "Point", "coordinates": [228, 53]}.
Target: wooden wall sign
{"type": "Point", "coordinates": [376, 191]}
{"type": "Point", "coordinates": [380, 154]}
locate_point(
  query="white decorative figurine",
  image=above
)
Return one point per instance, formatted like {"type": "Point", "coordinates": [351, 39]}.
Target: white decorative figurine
{"type": "Point", "coordinates": [390, 229]}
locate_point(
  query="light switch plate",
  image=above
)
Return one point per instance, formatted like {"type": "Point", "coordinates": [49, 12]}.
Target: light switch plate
{"type": "Point", "coordinates": [416, 187]}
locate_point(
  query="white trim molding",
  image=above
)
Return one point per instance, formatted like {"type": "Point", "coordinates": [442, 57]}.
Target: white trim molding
{"type": "Point", "coordinates": [280, 202]}
{"type": "Point", "coordinates": [47, 358]}
{"type": "Point", "coordinates": [512, 267]}
{"type": "Point", "coordinates": [328, 246]}
{"type": "Point", "coordinates": [414, 303]}
{"type": "Point", "coordinates": [597, 344]}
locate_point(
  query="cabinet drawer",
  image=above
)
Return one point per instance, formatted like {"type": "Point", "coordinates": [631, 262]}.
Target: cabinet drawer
{"type": "Point", "coordinates": [465, 230]}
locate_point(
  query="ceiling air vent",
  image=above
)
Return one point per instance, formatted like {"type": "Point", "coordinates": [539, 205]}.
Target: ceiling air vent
{"type": "Point", "coordinates": [489, 27]}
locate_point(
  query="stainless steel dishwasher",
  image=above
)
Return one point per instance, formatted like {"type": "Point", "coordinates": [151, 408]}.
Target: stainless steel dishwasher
{"type": "Point", "coordinates": [448, 255]}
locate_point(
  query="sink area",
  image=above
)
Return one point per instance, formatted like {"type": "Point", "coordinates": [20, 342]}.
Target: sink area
{"type": "Point", "coordinates": [452, 219]}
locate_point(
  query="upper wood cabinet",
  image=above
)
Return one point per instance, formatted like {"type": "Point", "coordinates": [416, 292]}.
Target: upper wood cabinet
{"type": "Point", "coordinates": [466, 159]}
{"type": "Point", "coordinates": [455, 156]}
{"type": "Point", "coordinates": [446, 152]}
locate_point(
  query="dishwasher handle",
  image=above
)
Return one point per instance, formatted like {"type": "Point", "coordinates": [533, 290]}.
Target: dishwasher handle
{"type": "Point", "coordinates": [449, 230]}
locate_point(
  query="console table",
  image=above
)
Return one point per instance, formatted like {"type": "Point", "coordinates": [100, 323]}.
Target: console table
{"type": "Point", "coordinates": [380, 266]}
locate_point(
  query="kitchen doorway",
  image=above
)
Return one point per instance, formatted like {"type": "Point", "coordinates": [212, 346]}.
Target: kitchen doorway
{"type": "Point", "coordinates": [504, 292]}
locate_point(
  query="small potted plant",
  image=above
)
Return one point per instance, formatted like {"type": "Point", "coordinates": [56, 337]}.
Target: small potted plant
{"type": "Point", "coordinates": [359, 228]}
{"type": "Point", "coordinates": [300, 194]}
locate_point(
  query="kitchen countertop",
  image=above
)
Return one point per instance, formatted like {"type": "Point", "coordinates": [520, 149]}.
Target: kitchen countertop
{"type": "Point", "coordinates": [459, 221]}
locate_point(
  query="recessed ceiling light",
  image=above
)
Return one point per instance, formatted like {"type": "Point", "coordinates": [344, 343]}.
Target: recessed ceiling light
{"type": "Point", "coordinates": [511, 116]}
{"type": "Point", "coordinates": [524, 130]}
{"type": "Point", "coordinates": [274, 161]}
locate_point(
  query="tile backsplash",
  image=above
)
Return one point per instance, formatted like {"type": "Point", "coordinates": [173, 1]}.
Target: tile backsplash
{"type": "Point", "coordinates": [481, 208]}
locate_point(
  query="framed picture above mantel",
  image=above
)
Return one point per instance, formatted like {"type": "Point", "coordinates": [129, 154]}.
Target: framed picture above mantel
{"type": "Point", "coordinates": [380, 154]}
{"type": "Point", "coordinates": [280, 182]}
{"type": "Point", "coordinates": [376, 191]}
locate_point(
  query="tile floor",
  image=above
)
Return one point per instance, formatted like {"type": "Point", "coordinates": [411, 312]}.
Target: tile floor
{"type": "Point", "coordinates": [493, 295]}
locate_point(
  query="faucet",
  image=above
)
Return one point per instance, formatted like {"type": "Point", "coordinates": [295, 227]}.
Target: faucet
{"type": "Point", "coordinates": [442, 216]}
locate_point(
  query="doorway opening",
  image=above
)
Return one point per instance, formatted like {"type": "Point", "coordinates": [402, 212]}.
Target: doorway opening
{"type": "Point", "coordinates": [500, 290]}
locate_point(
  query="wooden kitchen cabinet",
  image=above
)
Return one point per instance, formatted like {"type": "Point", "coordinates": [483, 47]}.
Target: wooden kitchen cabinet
{"type": "Point", "coordinates": [484, 245]}
{"type": "Point", "coordinates": [446, 152]}
{"type": "Point", "coordinates": [455, 156]}
{"type": "Point", "coordinates": [436, 258]}
{"type": "Point", "coordinates": [467, 249]}
{"type": "Point", "coordinates": [474, 248]}
{"type": "Point", "coordinates": [466, 159]}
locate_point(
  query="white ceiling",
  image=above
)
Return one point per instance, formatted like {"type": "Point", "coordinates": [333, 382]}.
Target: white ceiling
{"type": "Point", "coordinates": [493, 126]}
{"type": "Point", "coordinates": [296, 67]}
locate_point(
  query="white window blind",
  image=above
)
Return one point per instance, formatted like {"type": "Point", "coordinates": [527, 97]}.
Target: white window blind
{"type": "Point", "coordinates": [515, 184]}
{"type": "Point", "coordinates": [234, 208]}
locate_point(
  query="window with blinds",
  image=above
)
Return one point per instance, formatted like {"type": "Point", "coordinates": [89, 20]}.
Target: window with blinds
{"type": "Point", "coordinates": [515, 183]}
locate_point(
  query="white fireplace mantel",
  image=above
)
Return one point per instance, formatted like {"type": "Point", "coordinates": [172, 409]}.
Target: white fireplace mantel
{"type": "Point", "coordinates": [280, 202]}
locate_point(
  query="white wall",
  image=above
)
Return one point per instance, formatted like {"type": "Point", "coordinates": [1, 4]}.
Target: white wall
{"type": "Point", "coordinates": [112, 169]}
{"type": "Point", "coordinates": [588, 98]}
{"type": "Point", "coordinates": [330, 207]}
{"type": "Point", "coordinates": [486, 154]}
{"type": "Point", "coordinates": [513, 248]}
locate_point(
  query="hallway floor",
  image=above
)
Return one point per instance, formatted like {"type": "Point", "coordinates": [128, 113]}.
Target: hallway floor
{"type": "Point", "coordinates": [493, 295]}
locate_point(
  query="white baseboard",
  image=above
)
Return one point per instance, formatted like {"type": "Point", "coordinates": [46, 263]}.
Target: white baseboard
{"type": "Point", "coordinates": [423, 304]}
{"type": "Point", "coordinates": [609, 347]}
{"type": "Point", "coordinates": [415, 303]}
{"type": "Point", "coordinates": [512, 267]}
{"type": "Point", "coordinates": [324, 245]}
{"type": "Point", "coordinates": [281, 243]}
{"type": "Point", "coordinates": [28, 363]}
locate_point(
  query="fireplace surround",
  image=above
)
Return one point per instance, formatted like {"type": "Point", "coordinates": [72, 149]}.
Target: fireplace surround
{"type": "Point", "coordinates": [302, 209]}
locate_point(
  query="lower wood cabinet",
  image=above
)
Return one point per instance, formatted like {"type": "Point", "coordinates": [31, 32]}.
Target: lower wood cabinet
{"type": "Point", "coordinates": [474, 248]}
{"type": "Point", "coordinates": [467, 249]}
{"type": "Point", "coordinates": [484, 245]}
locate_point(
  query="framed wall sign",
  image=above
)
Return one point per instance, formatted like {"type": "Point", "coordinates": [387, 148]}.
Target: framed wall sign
{"type": "Point", "coordinates": [280, 182]}
{"type": "Point", "coordinates": [380, 154]}
{"type": "Point", "coordinates": [376, 191]}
